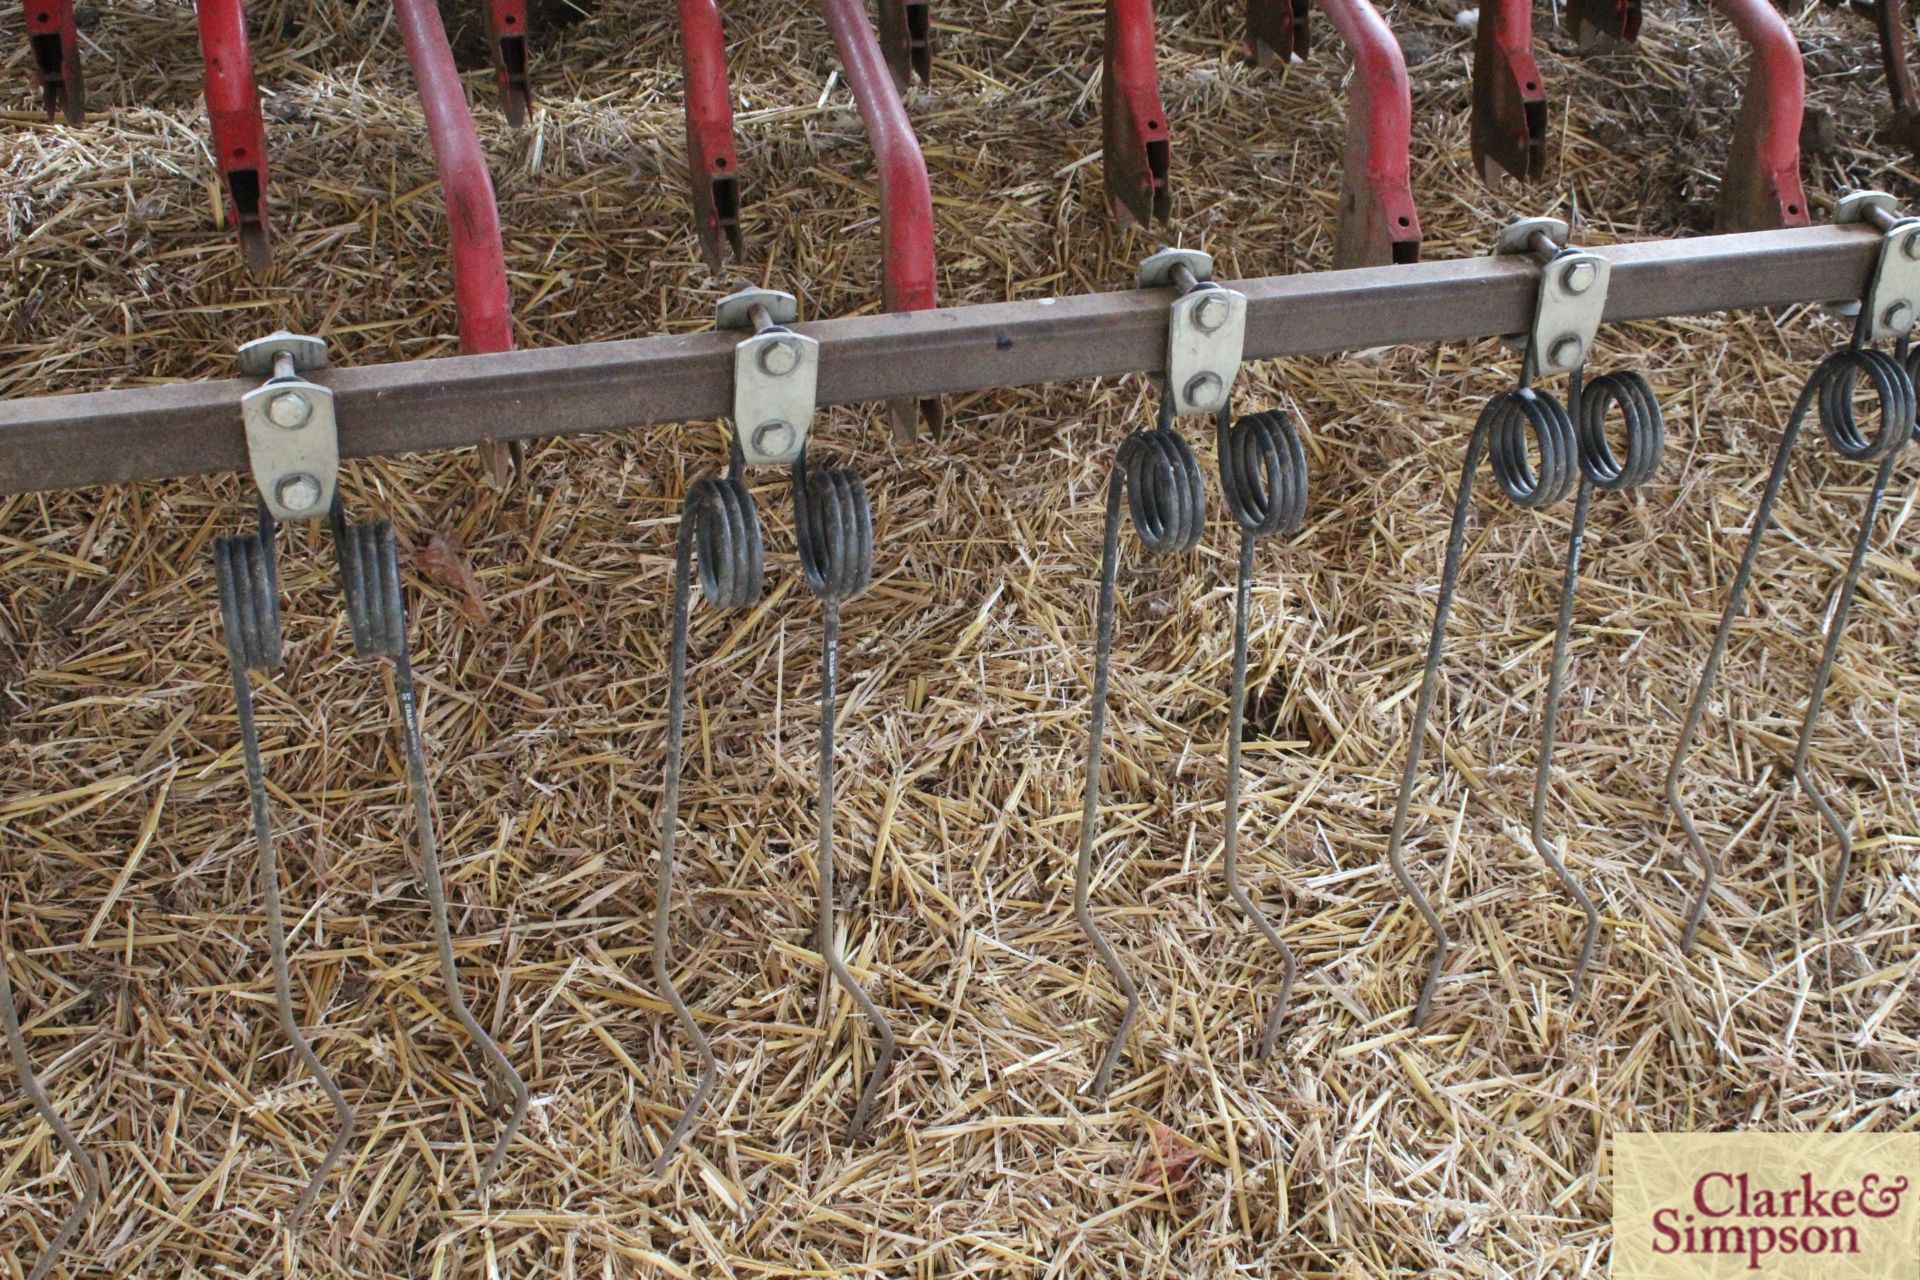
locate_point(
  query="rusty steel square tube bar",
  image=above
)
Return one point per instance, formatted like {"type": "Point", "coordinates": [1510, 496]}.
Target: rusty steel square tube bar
{"type": "Point", "coordinates": [151, 433]}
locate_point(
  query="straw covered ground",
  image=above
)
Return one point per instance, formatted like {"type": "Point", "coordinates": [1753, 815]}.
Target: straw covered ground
{"type": "Point", "coordinates": [1478, 1148]}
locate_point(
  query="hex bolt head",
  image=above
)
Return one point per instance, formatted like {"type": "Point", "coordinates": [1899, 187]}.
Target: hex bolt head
{"type": "Point", "coordinates": [1911, 245]}
{"type": "Point", "coordinates": [1898, 316]}
{"type": "Point", "coordinates": [780, 358]}
{"type": "Point", "coordinates": [1203, 390]}
{"type": "Point", "coordinates": [772, 439]}
{"type": "Point", "coordinates": [1566, 351]}
{"type": "Point", "coordinates": [1211, 312]}
{"type": "Point", "coordinates": [1579, 277]}
{"type": "Point", "coordinates": [289, 409]}
{"type": "Point", "coordinates": [298, 492]}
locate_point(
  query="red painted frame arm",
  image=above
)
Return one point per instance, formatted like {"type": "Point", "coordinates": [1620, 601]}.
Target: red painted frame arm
{"type": "Point", "coordinates": [1137, 143]}
{"type": "Point", "coordinates": [713, 166]}
{"type": "Point", "coordinates": [1760, 186]}
{"type": "Point", "coordinates": [56, 57]}
{"type": "Point", "coordinates": [233, 113]}
{"type": "Point", "coordinates": [1509, 118]}
{"type": "Point", "coordinates": [1378, 224]}
{"type": "Point", "coordinates": [507, 33]}
{"type": "Point", "coordinates": [906, 196]}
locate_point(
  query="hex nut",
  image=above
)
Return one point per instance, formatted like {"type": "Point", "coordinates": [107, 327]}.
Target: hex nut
{"type": "Point", "coordinates": [289, 409]}
{"type": "Point", "coordinates": [298, 492]}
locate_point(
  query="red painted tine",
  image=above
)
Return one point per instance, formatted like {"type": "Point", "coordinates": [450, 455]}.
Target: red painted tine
{"type": "Point", "coordinates": [714, 166]}
{"type": "Point", "coordinates": [1138, 149]}
{"type": "Point", "coordinates": [473, 218]}
{"type": "Point", "coordinates": [906, 197]}
{"type": "Point", "coordinates": [1277, 30]}
{"type": "Point", "coordinates": [1378, 224]}
{"type": "Point", "coordinates": [1509, 119]}
{"type": "Point", "coordinates": [1760, 186]}
{"type": "Point", "coordinates": [233, 112]}
{"type": "Point", "coordinates": [507, 31]}
{"type": "Point", "coordinates": [56, 57]}
{"type": "Point", "coordinates": [1596, 23]}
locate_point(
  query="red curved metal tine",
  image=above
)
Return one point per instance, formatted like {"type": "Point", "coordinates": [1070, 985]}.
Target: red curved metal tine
{"type": "Point", "coordinates": [1595, 24]}
{"type": "Point", "coordinates": [1137, 146]}
{"type": "Point", "coordinates": [1509, 122]}
{"type": "Point", "coordinates": [507, 31]}
{"type": "Point", "coordinates": [1277, 30]}
{"type": "Point", "coordinates": [56, 57]}
{"type": "Point", "coordinates": [1378, 225]}
{"type": "Point", "coordinates": [233, 112]}
{"type": "Point", "coordinates": [906, 197]}
{"type": "Point", "coordinates": [713, 165]}
{"type": "Point", "coordinates": [1760, 186]}
{"type": "Point", "coordinates": [906, 36]}
{"type": "Point", "coordinates": [480, 295]}
{"type": "Point", "coordinates": [1890, 17]}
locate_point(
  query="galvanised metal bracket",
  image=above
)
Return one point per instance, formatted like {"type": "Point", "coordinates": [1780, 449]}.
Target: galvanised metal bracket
{"type": "Point", "coordinates": [293, 441]}
{"type": "Point", "coordinates": [776, 375]}
{"type": "Point", "coordinates": [1893, 297]}
{"type": "Point", "coordinates": [1206, 329]}
{"type": "Point", "coordinates": [1572, 298]}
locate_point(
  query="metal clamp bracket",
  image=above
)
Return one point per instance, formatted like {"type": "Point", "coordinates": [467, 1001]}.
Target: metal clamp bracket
{"type": "Point", "coordinates": [1893, 296]}
{"type": "Point", "coordinates": [775, 375]}
{"type": "Point", "coordinates": [1573, 293]}
{"type": "Point", "coordinates": [1206, 329]}
{"type": "Point", "coordinates": [293, 441]}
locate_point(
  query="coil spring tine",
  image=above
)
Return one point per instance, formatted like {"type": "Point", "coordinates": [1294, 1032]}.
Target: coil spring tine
{"type": "Point", "coordinates": [834, 527]}
{"type": "Point", "coordinates": [377, 614]}
{"type": "Point", "coordinates": [250, 616]}
{"type": "Point", "coordinates": [1263, 476]}
{"type": "Point", "coordinates": [1831, 388]}
{"type": "Point", "coordinates": [1843, 605]}
{"type": "Point", "coordinates": [36, 1094]}
{"type": "Point", "coordinates": [1160, 478]}
{"type": "Point", "coordinates": [1645, 431]}
{"type": "Point", "coordinates": [720, 519]}
{"type": "Point", "coordinates": [1501, 434]}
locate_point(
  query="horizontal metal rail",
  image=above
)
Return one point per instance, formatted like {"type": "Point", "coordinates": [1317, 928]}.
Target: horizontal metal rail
{"type": "Point", "coordinates": [150, 433]}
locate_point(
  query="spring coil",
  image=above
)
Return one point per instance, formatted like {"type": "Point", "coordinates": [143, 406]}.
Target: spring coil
{"type": "Point", "coordinates": [834, 527]}
{"type": "Point", "coordinates": [368, 560]}
{"type": "Point", "coordinates": [1892, 386]}
{"type": "Point", "coordinates": [1642, 425]}
{"type": "Point", "coordinates": [1523, 417]}
{"type": "Point", "coordinates": [1263, 477]}
{"type": "Point", "coordinates": [249, 583]}
{"type": "Point", "coordinates": [1263, 471]}
{"type": "Point", "coordinates": [1831, 387]}
{"type": "Point", "coordinates": [1166, 495]}
{"type": "Point", "coordinates": [720, 520]}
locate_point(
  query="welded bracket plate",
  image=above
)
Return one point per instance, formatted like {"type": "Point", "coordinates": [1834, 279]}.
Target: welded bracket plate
{"type": "Point", "coordinates": [1206, 331]}
{"type": "Point", "coordinates": [776, 376]}
{"type": "Point", "coordinates": [1572, 299]}
{"type": "Point", "coordinates": [293, 439]}
{"type": "Point", "coordinates": [1893, 296]}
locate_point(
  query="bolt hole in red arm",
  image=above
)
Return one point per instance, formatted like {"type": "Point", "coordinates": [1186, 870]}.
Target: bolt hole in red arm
{"type": "Point", "coordinates": [473, 219]}
{"type": "Point", "coordinates": [1760, 186]}
{"type": "Point", "coordinates": [1378, 225]}
{"type": "Point", "coordinates": [906, 37]}
{"type": "Point", "coordinates": [713, 164]}
{"type": "Point", "coordinates": [1137, 146]}
{"type": "Point", "coordinates": [233, 112]}
{"type": "Point", "coordinates": [1509, 119]}
{"type": "Point", "coordinates": [906, 197]}
{"type": "Point", "coordinates": [56, 57]}
{"type": "Point", "coordinates": [507, 32]}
